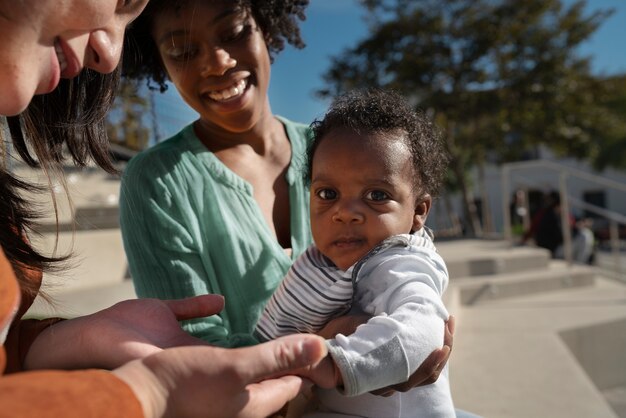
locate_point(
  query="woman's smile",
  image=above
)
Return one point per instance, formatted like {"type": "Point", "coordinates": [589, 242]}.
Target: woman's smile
{"type": "Point", "coordinates": [68, 61]}
{"type": "Point", "coordinates": [234, 91]}
{"type": "Point", "coordinates": [50, 79]}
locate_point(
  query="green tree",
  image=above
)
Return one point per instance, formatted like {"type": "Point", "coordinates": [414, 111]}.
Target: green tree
{"type": "Point", "coordinates": [611, 152]}
{"type": "Point", "coordinates": [126, 123]}
{"type": "Point", "coordinates": [499, 76]}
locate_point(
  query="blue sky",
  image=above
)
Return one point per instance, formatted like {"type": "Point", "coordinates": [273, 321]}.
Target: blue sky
{"type": "Point", "coordinates": [334, 25]}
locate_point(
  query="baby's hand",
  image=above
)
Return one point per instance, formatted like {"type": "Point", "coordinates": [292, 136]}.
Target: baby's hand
{"type": "Point", "coordinates": [324, 374]}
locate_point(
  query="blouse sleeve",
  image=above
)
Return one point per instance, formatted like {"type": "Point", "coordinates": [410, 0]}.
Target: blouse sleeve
{"type": "Point", "coordinates": [88, 393]}
{"type": "Point", "coordinates": [21, 333]}
{"type": "Point", "coordinates": [51, 393]}
{"type": "Point", "coordinates": [21, 336]}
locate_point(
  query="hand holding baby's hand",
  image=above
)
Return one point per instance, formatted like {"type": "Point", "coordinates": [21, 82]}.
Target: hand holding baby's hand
{"type": "Point", "coordinates": [324, 374]}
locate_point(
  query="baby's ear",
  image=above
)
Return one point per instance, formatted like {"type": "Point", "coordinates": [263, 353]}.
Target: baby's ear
{"type": "Point", "coordinates": [422, 207]}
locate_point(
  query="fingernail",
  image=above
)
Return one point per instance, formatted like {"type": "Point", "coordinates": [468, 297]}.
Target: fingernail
{"type": "Point", "coordinates": [313, 349]}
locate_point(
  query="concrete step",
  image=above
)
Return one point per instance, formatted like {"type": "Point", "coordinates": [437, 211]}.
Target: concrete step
{"type": "Point", "coordinates": [552, 354]}
{"type": "Point", "coordinates": [475, 258]}
{"type": "Point", "coordinates": [556, 276]}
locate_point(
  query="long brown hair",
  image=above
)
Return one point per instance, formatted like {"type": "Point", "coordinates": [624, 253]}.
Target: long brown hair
{"type": "Point", "coordinates": [67, 124]}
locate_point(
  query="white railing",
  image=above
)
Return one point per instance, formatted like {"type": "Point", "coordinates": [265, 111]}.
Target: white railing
{"type": "Point", "coordinates": [565, 173]}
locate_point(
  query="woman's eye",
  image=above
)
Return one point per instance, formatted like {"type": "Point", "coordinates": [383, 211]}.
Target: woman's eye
{"type": "Point", "coordinates": [327, 194]}
{"type": "Point", "coordinates": [377, 195]}
{"type": "Point", "coordinates": [237, 32]}
{"type": "Point", "coordinates": [181, 54]}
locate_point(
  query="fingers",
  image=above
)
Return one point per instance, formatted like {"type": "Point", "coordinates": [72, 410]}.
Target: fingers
{"type": "Point", "coordinates": [384, 392]}
{"type": "Point", "coordinates": [271, 395]}
{"type": "Point", "coordinates": [281, 356]}
{"type": "Point", "coordinates": [451, 323]}
{"type": "Point", "coordinates": [448, 337]}
{"type": "Point", "coordinates": [196, 307]}
{"type": "Point", "coordinates": [184, 339]}
{"type": "Point", "coordinates": [429, 371]}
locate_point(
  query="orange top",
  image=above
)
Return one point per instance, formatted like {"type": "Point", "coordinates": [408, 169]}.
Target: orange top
{"type": "Point", "coordinates": [85, 393]}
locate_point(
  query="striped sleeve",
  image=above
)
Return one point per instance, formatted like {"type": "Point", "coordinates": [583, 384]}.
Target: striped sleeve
{"type": "Point", "coordinates": [312, 293]}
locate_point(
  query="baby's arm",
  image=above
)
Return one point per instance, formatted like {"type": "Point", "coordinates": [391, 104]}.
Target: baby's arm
{"type": "Point", "coordinates": [404, 294]}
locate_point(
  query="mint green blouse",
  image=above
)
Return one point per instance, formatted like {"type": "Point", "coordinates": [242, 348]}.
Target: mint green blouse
{"type": "Point", "coordinates": [191, 226]}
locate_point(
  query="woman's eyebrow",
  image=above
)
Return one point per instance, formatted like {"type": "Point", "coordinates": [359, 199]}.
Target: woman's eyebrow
{"type": "Point", "coordinates": [226, 13]}
{"type": "Point", "coordinates": [181, 32]}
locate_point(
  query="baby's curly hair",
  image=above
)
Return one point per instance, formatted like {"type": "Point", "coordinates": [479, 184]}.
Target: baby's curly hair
{"type": "Point", "coordinates": [385, 111]}
{"type": "Point", "coordinates": [278, 20]}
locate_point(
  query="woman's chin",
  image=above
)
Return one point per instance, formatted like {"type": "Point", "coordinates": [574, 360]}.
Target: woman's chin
{"type": "Point", "coordinates": [14, 104]}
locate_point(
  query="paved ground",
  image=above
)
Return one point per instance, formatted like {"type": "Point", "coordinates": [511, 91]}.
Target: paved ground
{"type": "Point", "coordinates": [557, 353]}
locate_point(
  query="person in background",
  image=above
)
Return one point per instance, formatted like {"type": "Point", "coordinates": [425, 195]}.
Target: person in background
{"type": "Point", "coordinates": [375, 166]}
{"type": "Point", "coordinates": [59, 60]}
{"type": "Point", "coordinates": [547, 225]}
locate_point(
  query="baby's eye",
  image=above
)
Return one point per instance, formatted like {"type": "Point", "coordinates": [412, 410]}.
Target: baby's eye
{"type": "Point", "coordinates": [377, 195]}
{"type": "Point", "coordinates": [327, 194]}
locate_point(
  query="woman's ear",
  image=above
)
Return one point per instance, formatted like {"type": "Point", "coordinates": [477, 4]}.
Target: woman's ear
{"type": "Point", "coordinates": [422, 207]}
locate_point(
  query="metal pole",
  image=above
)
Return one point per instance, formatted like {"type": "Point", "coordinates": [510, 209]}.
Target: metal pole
{"type": "Point", "coordinates": [615, 249]}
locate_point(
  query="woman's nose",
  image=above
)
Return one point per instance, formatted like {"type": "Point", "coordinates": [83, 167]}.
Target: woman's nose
{"type": "Point", "coordinates": [104, 49]}
{"type": "Point", "coordinates": [105, 44]}
{"type": "Point", "coordinates": [217, 62]}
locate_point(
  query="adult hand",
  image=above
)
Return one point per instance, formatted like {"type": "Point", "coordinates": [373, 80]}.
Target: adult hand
{"type": "Point", "coordinates": [210, 382]}
{"type": "Point", "coordinates": [126, 331]}
{"type": "Point", "coordinates": [428, 372]}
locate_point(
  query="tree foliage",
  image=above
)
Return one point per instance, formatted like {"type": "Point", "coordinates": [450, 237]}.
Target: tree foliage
{"type": "Point", "coordinates": [126, 123]}
{"type": "Point", "coordinates": [500, 76]}
{"type": "Point", "coordinates": [611, 151]}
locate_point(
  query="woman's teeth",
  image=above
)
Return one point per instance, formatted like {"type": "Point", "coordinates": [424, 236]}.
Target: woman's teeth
{"type": "Point", "coordinates": [229, 93]}
{"type": "Point", "coordinates": [60, 55]}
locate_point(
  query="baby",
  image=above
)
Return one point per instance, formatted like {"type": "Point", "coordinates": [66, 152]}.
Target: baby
{"type": "Point", "coordinates": [374, 167]}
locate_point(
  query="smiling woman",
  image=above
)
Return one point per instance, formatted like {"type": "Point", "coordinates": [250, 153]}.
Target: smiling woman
{"type": "Point", "coordinates": [219, 207]}
{"type": "Point", "coordinates": [44, 41]}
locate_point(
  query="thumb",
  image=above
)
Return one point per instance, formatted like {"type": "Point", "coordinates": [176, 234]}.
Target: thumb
{"type": "Point", "coordinates": [196, 307]}
{"type": "Point", "coordinates": [282, 356]}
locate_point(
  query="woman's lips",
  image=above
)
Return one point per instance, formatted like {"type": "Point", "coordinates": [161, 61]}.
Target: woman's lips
{"type": "Point", "coordinates": [231, 92]}
{"type": "Point", "coordinates": [68, 62]}
{"type": "Point", "coordinates": [55, 76]}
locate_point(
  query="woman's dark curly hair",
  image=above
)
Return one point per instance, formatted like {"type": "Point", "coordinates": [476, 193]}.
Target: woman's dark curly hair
{"type": "Point", "coordinates": [278, 20]}
{"type": "Point", "coordinates": [376, 111]}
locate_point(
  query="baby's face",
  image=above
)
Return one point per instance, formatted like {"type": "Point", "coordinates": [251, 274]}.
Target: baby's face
{"type": "Point", "coordinates": [361, 193]}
